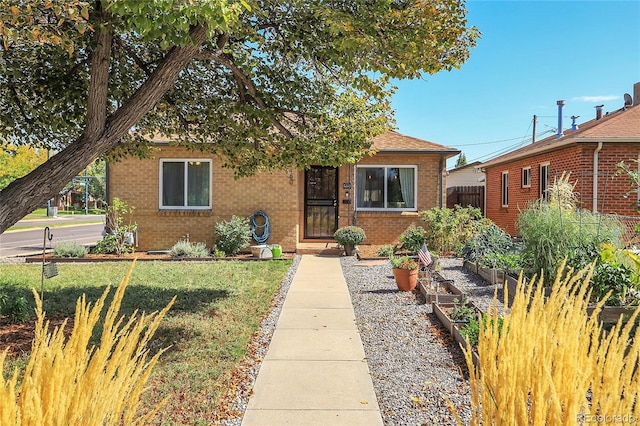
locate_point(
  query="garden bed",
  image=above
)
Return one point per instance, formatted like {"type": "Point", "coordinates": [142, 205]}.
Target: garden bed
{"type": "Point", "coordinates": [146, 256]}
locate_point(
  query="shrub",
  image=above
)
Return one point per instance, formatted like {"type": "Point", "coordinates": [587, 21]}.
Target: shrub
{"type": "Point", "coordinates": [549, 234]}
{"type": "Point", "coordinates": [387, 250]}
{"type": "Point", "coordinates": [70, 249]}
{"type": "Point", "coordinates": [233, 235]}
{"type": "Point", "coordinates": [117, 232]}
{"type": "Point", "coordinates": [71, 381]}
{"type": "Point", "coordinates": [15, 308]}
{"type": "Point", "coordinates": [349, 235]}
{"type": "Point", "coordinates": [188, 249]}
{"type": "Point", "coordinates": [447, 230]}
{"type": "Point", "coordinates": [548, 362]}
{"type": "Point", "coordinates": [412, 239]}
{"type": "Point", "coordinates": [489, 241]}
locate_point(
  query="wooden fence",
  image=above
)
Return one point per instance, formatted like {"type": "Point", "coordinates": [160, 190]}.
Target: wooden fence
{"type": "Point", "coordinates": [466, 196]}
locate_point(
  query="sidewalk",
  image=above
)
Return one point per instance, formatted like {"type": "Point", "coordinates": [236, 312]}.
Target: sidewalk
{"type": "Point", "coordinates": [315, 371]}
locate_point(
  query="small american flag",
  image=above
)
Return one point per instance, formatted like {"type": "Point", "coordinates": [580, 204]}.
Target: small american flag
{"type": "Point", "coordinates": [424, 255]}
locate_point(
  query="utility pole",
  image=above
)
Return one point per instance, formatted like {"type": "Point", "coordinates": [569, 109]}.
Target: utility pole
{"type": "Point", "coordinates": [535, 119]}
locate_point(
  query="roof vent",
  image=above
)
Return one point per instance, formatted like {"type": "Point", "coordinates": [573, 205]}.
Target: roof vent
{"type": "Point", "coordinates": [560, 105]}
{"type": "Point", "coordinates": [574, 126]}
{"type": "Point", "coordinates": [628, 100]}
{"type": "Point", "coordinates": [598, 111]}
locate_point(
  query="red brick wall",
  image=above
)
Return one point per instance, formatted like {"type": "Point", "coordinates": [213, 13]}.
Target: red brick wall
{"type": "Point", "coordinates": [577, 159]}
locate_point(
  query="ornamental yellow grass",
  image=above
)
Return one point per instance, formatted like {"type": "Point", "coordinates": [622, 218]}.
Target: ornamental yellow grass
{"type": "Point", "coordinates": [551, 364]}
{"type": "Point", "coordinates": [72, 383]}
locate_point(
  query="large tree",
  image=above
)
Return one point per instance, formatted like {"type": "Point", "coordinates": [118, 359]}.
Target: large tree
{"type": "Point", "coordinates": [263, 84]}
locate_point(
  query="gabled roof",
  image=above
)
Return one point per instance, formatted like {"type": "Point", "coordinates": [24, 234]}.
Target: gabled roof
{"type": "Point", "coordinates": [622, 126]}
{"type": "Point", "coordinates": [466, 166]}
{"type": "Point", "coordinates": [394, 142]}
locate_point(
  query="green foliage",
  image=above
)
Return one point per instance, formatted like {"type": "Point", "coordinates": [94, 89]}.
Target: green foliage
{"type": "Point", "coordinates": [14, 308]}
{"type": "Point", "coordinates": [447, 230]}
{"type": "Point", "coordinates": [461, 161]}
{"type": "Point", "coordinates": [233, 235]}
{"type": "Point", "coordinates": [403, 262]}
{"type": "Point", "coordinates": [462, 311]}
{"type": "Point", "coordinates": [618, 272]}
{"type": "Point", "coordinates": [17, 161]}
{"type": "Point", "coordinates": [549, 234]}
{"type": "Point", "coordinates": [349, 235]}
{"type": "Point", "coordinates": [119, 229]}
{"type": "Point", "coordinates": [387, 250]}
{"type": "Point", "coordinates": [70, 249]}
{"type": "Point", "coordinates": [185, 248]}
{"type": "Point", "coordinates": [412, 239]}
{"type": "Point", "coordinates": [489, 241]}
{"type": "Point", "coordinates": [471, 330]}
{"type": "Point", "coordinates": [268, 86]}
{"type": "Point", "coordinates": [509, 262]}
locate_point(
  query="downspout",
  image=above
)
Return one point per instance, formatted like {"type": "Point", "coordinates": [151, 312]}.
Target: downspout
{"type": "Point", "coordinates": [595, 178]}
{"type": "Point", "coordinates": [354, 196]}
{"type": "Point", "coordinates": [440, 180]}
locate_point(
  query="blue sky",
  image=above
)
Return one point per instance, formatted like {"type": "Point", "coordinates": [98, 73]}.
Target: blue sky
{"type": "Point", "coordinates": [531, 54]}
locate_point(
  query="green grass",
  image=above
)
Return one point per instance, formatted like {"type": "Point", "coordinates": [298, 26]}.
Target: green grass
{"type": "Point", "coordinates": [219, 307]}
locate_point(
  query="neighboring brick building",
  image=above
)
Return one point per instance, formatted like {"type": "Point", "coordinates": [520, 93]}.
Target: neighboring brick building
{"type": "Point", "coordinates": [183, 193]}
{"type": "Point", "coordinates": [590, 153]}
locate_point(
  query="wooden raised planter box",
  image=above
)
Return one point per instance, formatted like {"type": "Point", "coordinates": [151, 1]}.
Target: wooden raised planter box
{"type": "Point", "coordinates": [440, 309]}
{"type": "Point", "coordinates": [445, 291]}
{"type": "Point", "coordinates": [491, 275]}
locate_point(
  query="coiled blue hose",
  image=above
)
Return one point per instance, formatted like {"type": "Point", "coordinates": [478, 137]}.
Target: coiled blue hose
{"type": "Point", "coordinates": [263, 237]}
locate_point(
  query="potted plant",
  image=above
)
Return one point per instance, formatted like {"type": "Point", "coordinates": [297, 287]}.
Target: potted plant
{"type": "Point", "coordinates": [349, 237]}
{"type": "Point", "coordinates": [405, 271]}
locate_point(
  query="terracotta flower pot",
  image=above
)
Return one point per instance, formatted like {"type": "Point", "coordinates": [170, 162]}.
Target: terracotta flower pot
{"type": "Point", "coordinates": [406, 279]}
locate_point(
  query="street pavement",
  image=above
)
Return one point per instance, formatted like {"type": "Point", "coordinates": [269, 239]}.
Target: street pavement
{"type": "Point", "coordinates": [30, 241]}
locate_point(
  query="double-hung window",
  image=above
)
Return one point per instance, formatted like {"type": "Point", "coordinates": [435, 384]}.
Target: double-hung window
{"type": "Point", "coordinates": [386, 188]}
{"type": "Point", "coordinates": [185, 184]}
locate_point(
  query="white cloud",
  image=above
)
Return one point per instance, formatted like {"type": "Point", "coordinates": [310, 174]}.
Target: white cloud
{"type": "Point", "coordinates": [596, 98]}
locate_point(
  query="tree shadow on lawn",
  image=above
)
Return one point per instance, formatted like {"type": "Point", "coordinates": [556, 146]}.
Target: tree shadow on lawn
{"type": "Point", "coordinates": [60, 303]}
{"type": "Point", "coordinates": [142, 298]}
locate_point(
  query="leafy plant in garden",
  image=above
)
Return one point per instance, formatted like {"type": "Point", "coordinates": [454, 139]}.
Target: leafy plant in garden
{"type": "Point", "coordinates": [184, 248]}
{"type": "Point", "coordinates": [233, 235]}
{"type": "Point", "coordinates": [550, 234]}
{"type": "Point", "coordinates": [447, 230]}
{"type": "Point", "coordinates": [119, 229]}
{"type": "Point", "coordinates": [617, 271]}
{"type": "Point", "coordinates": [14, 307]}
{"type": "Point", "coordinates": [387, 250]}
{"type": "Point", "coordinates": [462, 311]}
{"type": "Point", "coordinates": [70, 249]}
{"type": "Point", "coordinates": [403, 262]}
{"type": "Point", "coordinates": [349, 235]}
{"type": "Point", "coordinates": [490, 241]}
{"type": "Point", "coordinates": [412, 239]}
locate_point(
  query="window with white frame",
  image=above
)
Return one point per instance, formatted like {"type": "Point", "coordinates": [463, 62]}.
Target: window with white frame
{"type": "Point", "coordinates": [526, 177]}
{"type": "Point", "coordinates": [505, 189]}
{"type": "Point", "coordinates": [185, 184]}
{"type": "Point", "coordinates": [545, 181]}
{"type": "Point", "coordinates": [386, 188]}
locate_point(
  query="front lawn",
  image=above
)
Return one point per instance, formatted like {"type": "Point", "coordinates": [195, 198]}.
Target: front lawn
{"type": "Point", "coordinates": [219, 306]}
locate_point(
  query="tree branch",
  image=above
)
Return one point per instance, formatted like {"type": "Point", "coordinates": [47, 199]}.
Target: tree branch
{"type": "Point", "coordinates": [226, 60]}
{"type": "Point", "coordinates": [99, 81]}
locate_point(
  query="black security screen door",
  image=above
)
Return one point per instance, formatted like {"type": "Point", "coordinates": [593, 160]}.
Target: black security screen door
{"type": "Point", "coordinates": [321, 202]}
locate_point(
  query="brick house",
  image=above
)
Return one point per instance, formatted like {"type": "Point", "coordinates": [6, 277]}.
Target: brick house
{"type": "Point", "coordinates": [181, 192]}
{"type": "Point", "coordinates": [590, 153]}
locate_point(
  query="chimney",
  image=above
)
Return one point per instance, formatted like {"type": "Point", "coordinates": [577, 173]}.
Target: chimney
{"type": "Point", "coordinates": [636, 93]}
{"type": "Point", "coordinates": [574, 126]}
{"type": "Point", "coordinates": [598, 111]}
{"type": "Point", "coordinates": [560, 105]}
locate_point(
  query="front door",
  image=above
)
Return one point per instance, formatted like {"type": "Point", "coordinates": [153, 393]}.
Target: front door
{"type": "Point", "coordinates": [321, 202]}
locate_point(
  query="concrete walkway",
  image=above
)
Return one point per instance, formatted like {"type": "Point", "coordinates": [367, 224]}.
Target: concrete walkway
{"type": "Point", "coordinates": [315, 371]}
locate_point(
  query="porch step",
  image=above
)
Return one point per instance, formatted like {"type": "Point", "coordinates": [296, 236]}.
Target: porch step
{"type": "Point", "coordinates": [324, 249]}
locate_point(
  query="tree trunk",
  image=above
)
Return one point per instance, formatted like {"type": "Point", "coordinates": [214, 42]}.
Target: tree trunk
{"type": "Point", "coordinates": [26, 194]}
